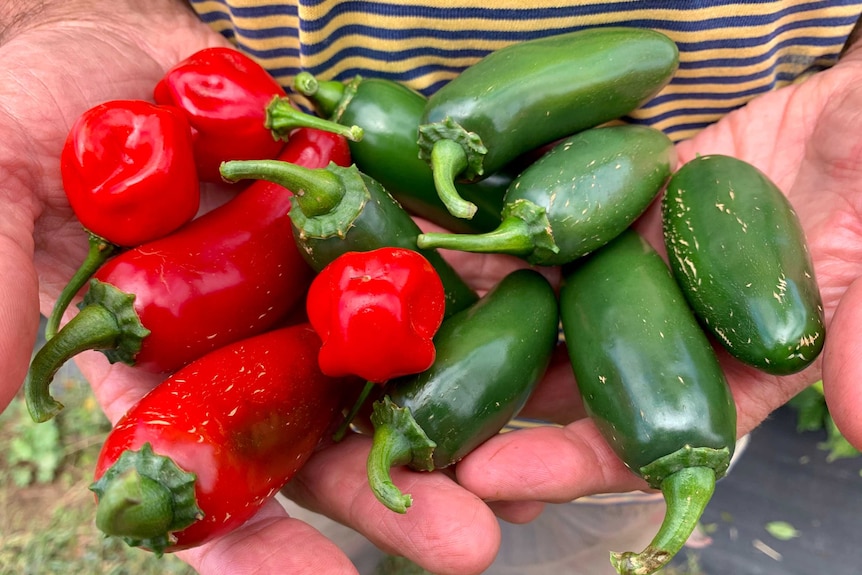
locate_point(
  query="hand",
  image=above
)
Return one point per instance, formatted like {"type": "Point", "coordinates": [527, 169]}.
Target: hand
{"type": "Point", "coordinates": [806, 138]}
{"type": "Point", "coordinates": [58, 61]}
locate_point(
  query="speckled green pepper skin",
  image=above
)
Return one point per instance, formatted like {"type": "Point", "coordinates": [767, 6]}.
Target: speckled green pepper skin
{"type": "Point", "coordinates": [529, 94]}
{"type": "Point", "coordinates": [594, 184]}
{"type": "Point", "coordinates": [740, 254]}
{"type": "Point", "coordinates": [645, 369]}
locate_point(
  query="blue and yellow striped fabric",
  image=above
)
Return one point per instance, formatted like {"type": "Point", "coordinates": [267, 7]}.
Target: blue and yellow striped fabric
{"type": "Point", "coordinates": [729, 51]}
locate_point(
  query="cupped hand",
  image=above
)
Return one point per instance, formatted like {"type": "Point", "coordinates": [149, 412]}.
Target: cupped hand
{"type": "Point", "coordinates": [56, 61]}
{"type": "Point", "coordinates": [806, 138]}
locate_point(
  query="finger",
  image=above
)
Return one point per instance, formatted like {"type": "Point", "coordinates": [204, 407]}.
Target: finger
{"type": "Point", "coordinates": [447, 530]}
{"type": "Point", "coordinates": [19, 313]}
{"type": "Point", "coordinates": [551, 464]}
{"type": "Point", "coordinates": [842, 370]}
{"type": "Point", "coordinates": [518, 512]}
{"type": "Point", "coordinates": [271, 542]}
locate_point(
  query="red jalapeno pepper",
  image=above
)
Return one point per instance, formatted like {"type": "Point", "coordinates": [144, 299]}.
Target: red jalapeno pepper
{"type": "Point", "coordinates": [128, 171]}
{"type": "Point", "coordinates": [229, 274]}
{"type": "Point", "coordinates": [225, 95]}
{"type": "Point", "coordinates": [199, 455]}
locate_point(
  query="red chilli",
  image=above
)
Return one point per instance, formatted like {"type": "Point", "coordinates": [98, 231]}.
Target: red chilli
{"type": "Point", "coordinates": [129, 174]}
{"type": "Point", "coordinates": [225, 95]}
{"type": "Point", "coordinates": [203, 451]}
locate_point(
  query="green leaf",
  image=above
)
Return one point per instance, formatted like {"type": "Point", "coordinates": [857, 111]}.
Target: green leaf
{"type": "Point", "coordinates": [836, 444]}
{"type": "Point", "coordinates": [782, 530]}
{"type": "Point", "coordinates": [811, 410]}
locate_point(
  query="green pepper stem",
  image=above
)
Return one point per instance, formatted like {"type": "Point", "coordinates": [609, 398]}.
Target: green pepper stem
{"type": "Point", "coordinates": [107, 321]}
{"type": "Point", "coordinates": [134, 506]}
{"type": "Point", "coordinates": [94, 327]}
{"type": "Point", "coordinates": [326, 96]}
{"type": "Point", "coordinates": [390, 448]}
{"type": "Point", "coordinates": [144, 498]}
{"type": "Point", "coordinates": [398, 440]}
{"type": "Point", "coordinates": [282, 118]}
{"type": "Point", "coordinates": [448, 160]}
{"type": "Point", "coordinates": [687, 493]}
{"type": "Point", "coordinates": [512, 236]}
{"type": "Point", "coordinates": [351, 415]}
{"type": "Point", "coordinates": [525, 231]}
{"type": "Point", "coordinates": [99, 252]}
{"type": "Point", "coordinates": [317, 191]}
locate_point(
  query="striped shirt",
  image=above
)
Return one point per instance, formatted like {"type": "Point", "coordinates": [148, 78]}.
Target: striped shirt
{"type": "Point", "coordinates": [729, 51]}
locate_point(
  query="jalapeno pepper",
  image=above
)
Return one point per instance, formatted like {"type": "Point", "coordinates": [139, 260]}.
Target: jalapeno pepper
{"type": "Point", "coordinates": [225, 95]}
{"type": "Point", "coordinates": [489, 358]}
{"type": "Point", "coordinates": [229, 274]}
{"type": "Point", "coordinates": [338, 210]}
{"type": "Point", "coordinates": [389, 113]}
{"type": "Point", "coordinates": [650, 380]}
{"type": "Point", "coordinates": [529, 94]}
{"type": "Point", "coordinates": [578, 196]}
{"type": "Point", "coordinates": [739, 252]}
{"type": "Point", "coordinates": [128, 171]}
{"type": "Point", "coordinates": [199, 455]}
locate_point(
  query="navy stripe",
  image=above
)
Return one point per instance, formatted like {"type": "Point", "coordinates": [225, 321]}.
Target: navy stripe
{"type": "Point", "coordinates": [257, 11]}
{"type": "Point", "coordinates": [211, 17]}
{"type": "Point", "coordinates": [281, 52]}
{"type": "Point", "coordinates": [275, 32]}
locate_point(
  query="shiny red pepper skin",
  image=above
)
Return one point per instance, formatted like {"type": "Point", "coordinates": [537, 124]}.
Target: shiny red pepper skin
{"type": "Point", "coordinates": [376, 312]}
{"type": "Point", "coordinates": [229, 274]}
{"type": "Point", "coordinates": [243, 419]}
{"type": "Point", "coordinates": [128, 171]}
{"type": "Point", "coordinates": [225, 94]}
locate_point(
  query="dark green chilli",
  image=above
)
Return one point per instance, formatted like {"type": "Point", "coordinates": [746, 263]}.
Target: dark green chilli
{"type": "Point", "coordinates": [341, 210]}
{"type": "Point", "coordinates": [740, 254]}
{"type": "Point", "coordinates": [489, 358]}
{"type": "Point", "coordinates": [575, 198]}
{"type": "Point", "coordinates": [389, 114]}
{"type": "Point", "coordinates": [650, 381]}
{"type": "Point", "coordinates": [530, 94]}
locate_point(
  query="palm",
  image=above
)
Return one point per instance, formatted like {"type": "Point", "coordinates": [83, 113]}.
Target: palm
{"type": "Point", "coordinates": [806, 138]}
{"type": "Point", "coordinates": [51, 74]}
